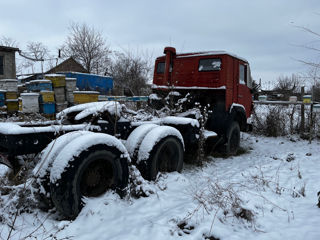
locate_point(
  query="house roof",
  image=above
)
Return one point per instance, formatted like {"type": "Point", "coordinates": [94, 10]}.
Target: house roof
{"type": "Point", "coordinates": [69, 65]}
{"type": "Point", "coordinates": [9, 49]}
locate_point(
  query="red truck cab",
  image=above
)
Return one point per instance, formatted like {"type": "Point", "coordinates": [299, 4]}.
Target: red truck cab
{"type": "Point", "coordinates": [221, 76]}
{"type": "Point", "coordinates": [217, 79]}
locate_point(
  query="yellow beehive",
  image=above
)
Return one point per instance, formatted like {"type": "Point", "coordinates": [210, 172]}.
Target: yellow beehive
{"type": "Point", "coordinates": [20, 104]}
{"type": "Point", "coordinates": [11, 95]}
{"type": "Point", "coordinates": [47, 96]}
{"type": "Point", "coordinates": [12, 105]}
{"type": "Point", "coordinates": [307, 99]}
{"type": "Point", "coordinates": [57, 80]}
{"type": "Point", "coordinates": [85, 96]}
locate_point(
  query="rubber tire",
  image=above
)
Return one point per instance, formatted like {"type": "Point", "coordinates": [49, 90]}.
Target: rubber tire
{"type": "Point", "coordinates": [233, 139]}
{"type": "Point", "coordinates": [150, 168]}
{"type": "Point", "coordinates": [45, 202]}
{"type": "Point", "coordinates": [138, 133]}
{"type": "Point", "coordinates": [66, 193]}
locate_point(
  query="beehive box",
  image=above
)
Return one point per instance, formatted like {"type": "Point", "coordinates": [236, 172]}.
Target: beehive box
{"type": "Point", "coordinates": [12, 105]}
{"type": "Point", "coordinates": [11, 95]}
{"type": "Point", "coordinates": [2, 96]}
{"type": "Point", "coordinates": [30, 102]}
{"type": "Point", "coordinates": [316, 108]}
{"type": "Point", "coordinates": [46, 97]}
{"type": "Point", "coordinates": [71, 84]}
{"type": "Point", "coordinates": [69, 96]}
{"type": "Point", "coordinates": [307, 99]}
{"type": "Point", "coordinates": [61, 106]}
{"type": "Point", "coordinates": [20, 104]}
{"type": "Point", "coordinates": [48, 108]}
{"type": "Point", "coordinates": [58, 80]}
{"type": "Point", "coordinates": [85, 96]}
{"type": "Point", "coordinates": [2, 84]}
{"type": "Point", "coordinates": [59, 94]}
{"type": "Point", "coordinates": [39, 85]}
{"type": "Point", "coordinates": [10, 85]}
{"type": "Point", "coordinates": [262, 98]}
{"type": "Point", "coordinates": [293, 99]}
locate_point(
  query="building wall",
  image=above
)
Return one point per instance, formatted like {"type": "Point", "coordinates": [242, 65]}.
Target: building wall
{"type": "Point", "coordinates": [9, 65]}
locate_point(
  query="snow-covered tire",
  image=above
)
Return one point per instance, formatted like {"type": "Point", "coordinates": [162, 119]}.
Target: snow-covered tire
{"type": "Point", "coordinates": [233, 138]}
{"type": "Point", "coordinates": [162, 150]}
{"type": "Point", "coordinates": [42, 170]}
{"type": "Point", "coordinates": [135, 138]}
{"type": "Point", "coordinates": [89, 173]}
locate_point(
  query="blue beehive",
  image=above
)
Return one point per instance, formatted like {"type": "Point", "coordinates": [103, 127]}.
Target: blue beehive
{"type": "Point", "coordinates": [91, 82]}
{"type": "Point", "coordinates": [2, 98]}
{"type": "Point", "coordinates": [47, 108]}
{"type": "Point", "coordinates": [39, 85]}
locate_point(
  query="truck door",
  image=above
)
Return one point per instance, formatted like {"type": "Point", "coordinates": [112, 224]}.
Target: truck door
{"type": "Point", "coordinates": [244, 94]}
{"type": "Point", "coordinates": [235, 84]}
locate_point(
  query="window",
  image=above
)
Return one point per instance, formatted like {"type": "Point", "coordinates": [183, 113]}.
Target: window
{"type": "Point", "coordinates": [1, 65]}
{"type": "Point", "coordinates": [209, 64]}
{"type": "Point", "coordinates": [242, 74]}
{"type": "Point", "coordinates": [160, 67]}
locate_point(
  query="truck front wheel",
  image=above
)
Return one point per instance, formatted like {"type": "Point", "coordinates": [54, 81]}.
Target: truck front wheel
{"type": "Point", "coordinates": [233, 138]}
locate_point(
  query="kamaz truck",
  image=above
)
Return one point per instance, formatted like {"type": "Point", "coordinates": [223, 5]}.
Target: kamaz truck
{"type": "Point", "coordinates": [93, 147]}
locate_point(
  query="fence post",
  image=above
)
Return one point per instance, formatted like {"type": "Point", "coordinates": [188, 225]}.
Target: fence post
{"type": "Point", "coordinates": [311, 123]}
{"type": "Point", "coordinates": [302, 112]}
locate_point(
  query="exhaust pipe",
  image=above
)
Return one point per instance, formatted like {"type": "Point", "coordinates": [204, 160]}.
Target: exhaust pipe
{"type": "Point", "coordinates": [170, 53]}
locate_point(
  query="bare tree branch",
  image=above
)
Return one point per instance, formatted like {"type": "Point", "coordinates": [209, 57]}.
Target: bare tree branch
{"type": "Point", "coordinates": [312, 64]}
{"type": "Point", "coordinates": [308, 30]}
{"type": "Point", "coordinates": [37, 50]}
{"type": "Point", "coordinates": [87, 46]}
{"type": "Point", "coordinates": [8, 42]}
{"type": "Point", "coordinates": [130, 71]}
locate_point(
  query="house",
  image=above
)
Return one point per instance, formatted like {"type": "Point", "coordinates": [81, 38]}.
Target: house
{"type": "Point", "coordinates": [8, 62]}
{"type": "Point", "coordinates": [69, 65]}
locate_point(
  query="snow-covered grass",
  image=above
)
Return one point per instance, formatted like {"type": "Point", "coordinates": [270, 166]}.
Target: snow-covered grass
{"type": "Point", "coordinates": [280, 120]}
{"type": "Point", "coordinates": [268, 192]}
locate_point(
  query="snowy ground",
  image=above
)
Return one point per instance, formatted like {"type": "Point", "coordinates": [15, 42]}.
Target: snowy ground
{"type": "Point", "coordinates": [273, 186]}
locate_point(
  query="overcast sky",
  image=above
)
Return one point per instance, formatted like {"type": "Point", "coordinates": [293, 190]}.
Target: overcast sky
{"type": "Point", "coordinates": [262, 31]}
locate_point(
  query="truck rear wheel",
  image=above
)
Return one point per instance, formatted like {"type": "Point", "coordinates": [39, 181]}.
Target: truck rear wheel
{"type": "Point", "coordinates": [233, 138]}
{"type": "Point", "coordinates": [165, 156]}
{"type": "Point", "coordinates": [42, 170]}
{"type": "Point", "coordinates": [92, 173]}
{"type": "Point", "coordinates": [136, 137]}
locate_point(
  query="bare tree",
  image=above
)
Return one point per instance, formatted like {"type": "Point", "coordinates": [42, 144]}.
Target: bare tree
{"type": "Point", "coordinates": [88, 46]}
{"type": "Point", "coordinates": [316, 92]}
{"type": "Point", "coordinates": [314, 77]}
{"type": "Point", "coordinates": [8, 42]}
{"type": "Point", "coordinates": [131, 72]}
{"type": "Point", "coordinates": [36, 52]}
{"type": "Point", "coordinates": [287, 85]}
{"type": "Point", "coordinates": [310, 47]}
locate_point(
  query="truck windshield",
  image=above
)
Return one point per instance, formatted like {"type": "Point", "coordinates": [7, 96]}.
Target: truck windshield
{"type": "Point", "coordinates": [209, 64]}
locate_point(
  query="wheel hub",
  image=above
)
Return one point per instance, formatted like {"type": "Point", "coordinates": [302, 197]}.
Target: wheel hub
{"type": "Point", "coordinates": [93, 177]}
{"type": "Point", "coordinates": [96, 179]}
